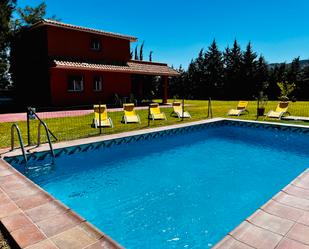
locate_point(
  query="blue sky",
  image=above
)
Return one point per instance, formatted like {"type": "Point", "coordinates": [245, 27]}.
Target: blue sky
{"type": "Point", "coordinates": [177, 30]}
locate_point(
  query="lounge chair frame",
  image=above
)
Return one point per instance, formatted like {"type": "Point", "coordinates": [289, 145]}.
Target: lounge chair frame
{"type": "Point", "coordinates": [152, 116]}
{"type": "Point", "coordinates": [239, 109]}
{"type": "Point", "coordinates": [183, 114]}
{"type": "Point", "coordinates": [96, 121]}
{"type": "Point", "coordinates": [125, 118]}
{"type": "Point", "coordinates": [276, 114]}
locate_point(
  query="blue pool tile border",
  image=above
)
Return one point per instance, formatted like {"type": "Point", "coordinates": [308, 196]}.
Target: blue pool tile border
{"type": "Point", "coordinates": [40, 156]}
{"type": "Point", "coordinates": [267, 126]}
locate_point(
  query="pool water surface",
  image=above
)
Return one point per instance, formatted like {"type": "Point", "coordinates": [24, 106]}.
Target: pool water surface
{"type": "Point", "coordinates": [179, 191]}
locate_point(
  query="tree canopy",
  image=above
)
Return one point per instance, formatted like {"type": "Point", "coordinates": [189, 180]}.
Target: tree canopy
{"type": "Point", "coordinates": [12, 19]}
{"type": "Point", "coordinates": [237, 74]}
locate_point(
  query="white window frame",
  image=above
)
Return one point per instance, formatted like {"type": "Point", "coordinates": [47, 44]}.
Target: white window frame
{"type": "Point", "coordinates": [96, 44]}
{"type": "Point", "coordinates": [75, 83]}
{"type": "Point", "coordinates": [97, 84]}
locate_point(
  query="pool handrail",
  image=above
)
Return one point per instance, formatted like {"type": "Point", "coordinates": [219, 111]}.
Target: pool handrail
{"type": "Point", "coordinates": [20, 140]}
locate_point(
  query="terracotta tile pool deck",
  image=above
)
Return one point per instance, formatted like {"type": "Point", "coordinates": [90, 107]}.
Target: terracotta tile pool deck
{"type": "Point", "coordinates": [36, 220]}
{"type": "Point", "coordinates": [281, 223]}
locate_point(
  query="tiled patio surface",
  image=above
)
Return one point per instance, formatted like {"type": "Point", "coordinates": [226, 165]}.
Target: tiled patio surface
{"type": "Point", "coordinates": [282, 223]}
{"type": "Point", "coordinates": [36, 220]}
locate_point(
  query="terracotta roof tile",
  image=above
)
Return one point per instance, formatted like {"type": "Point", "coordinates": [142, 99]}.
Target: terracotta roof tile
{"type": "Point", "coordinates": [95, 31]}
{"type": "Point", "coordinates": [134, 67]}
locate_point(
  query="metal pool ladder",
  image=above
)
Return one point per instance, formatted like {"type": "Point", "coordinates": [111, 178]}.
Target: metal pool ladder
{"type": "Point", "coordinates": [15, 127]}
{"type": "Point", "coordinates": [47, 135]}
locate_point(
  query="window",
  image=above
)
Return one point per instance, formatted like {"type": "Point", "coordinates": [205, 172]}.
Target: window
{"type": "Point", "coordinates": [76, 83]}
{"type": "Point", "coordinates": [97, 83]}
{"type": "Point", "coordinates": [96, 44]}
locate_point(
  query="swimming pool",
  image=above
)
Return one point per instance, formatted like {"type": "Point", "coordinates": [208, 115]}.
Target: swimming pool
{"type": "Point", "coordinates": [182, 190]}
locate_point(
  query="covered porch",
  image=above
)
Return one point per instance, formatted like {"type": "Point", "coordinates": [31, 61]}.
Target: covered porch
{"type": "Point", "coordinates": [140, 72]}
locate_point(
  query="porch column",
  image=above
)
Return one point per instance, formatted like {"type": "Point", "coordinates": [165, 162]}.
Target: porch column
{"type": "Point", "coordinates": [165, 89]}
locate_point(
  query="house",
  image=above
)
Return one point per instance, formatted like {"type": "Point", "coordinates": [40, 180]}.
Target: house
{"type": "Point", "coordinates": [58, 64]}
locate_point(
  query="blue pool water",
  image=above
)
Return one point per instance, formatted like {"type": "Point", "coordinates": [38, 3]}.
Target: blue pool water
{"type": "Point", "coordinates": [178, 191]}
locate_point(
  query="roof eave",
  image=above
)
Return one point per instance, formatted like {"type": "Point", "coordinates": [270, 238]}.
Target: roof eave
{"type": "Point", "coordinates": [171, 74]}
{"type": "Point", "coordinates": [43, 22]}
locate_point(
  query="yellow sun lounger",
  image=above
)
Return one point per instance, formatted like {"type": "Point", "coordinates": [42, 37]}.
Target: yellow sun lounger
{"type": "Point", "coordinates": [101, 118]}
{"type": "Point", "coordinates": [155, 112]}
{"type": "Point", "coordinates": [282, 109]}
{"type": "Point", "coordinates": [130, 116]}
{"type": "Point", "coordinates": [177, 109]}
{"type": "Point", "coordinates": [241, 108]}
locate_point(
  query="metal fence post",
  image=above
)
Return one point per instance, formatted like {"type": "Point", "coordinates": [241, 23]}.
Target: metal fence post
{"type": "Point", "coordinates": [149, 115]}
{"type": "Point", "coordinates": [183, 108]}
{"type": "Point", "coordinates": [28, 126]}
{"type": "Point", "coordinates": [209, 114]}
{"type": "Point", "coordinates": [100, 125]}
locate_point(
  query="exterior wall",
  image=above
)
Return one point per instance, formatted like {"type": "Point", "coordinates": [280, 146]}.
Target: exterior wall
{"type": "Point", "coordinates": [39, 84]}
{"type": "Point", "coordinates": [112, 83]}
{"type": "Point", "coordinates": [76, 44]}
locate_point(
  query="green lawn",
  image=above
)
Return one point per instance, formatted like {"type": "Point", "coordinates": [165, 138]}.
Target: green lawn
{"type": "Point", "coordinates": [79, 127]}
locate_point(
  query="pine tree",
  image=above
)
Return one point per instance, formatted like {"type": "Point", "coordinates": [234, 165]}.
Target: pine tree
{"type": "Point", "coordinates": [214, 71]}
{"type": "Point", "coordinates": [7, 8]}
{"type": "Point", "coordinates": [276, 74]}
{"type": "Point", "coordinates": [30, 15]}
{"type": "Point", "coordinates": [192, 80]}
{"type": "Point", "coordinates": [247, 84]}
{"type": "Point", "coordinates": [261, 76]}
{"type": "Point", "coordinates": [295, 75]}
{"type": "Point", "coordinates": [176, 84]}
{"type": "Point", "coordinates": [198, 76]}
{"type": "Point", "coordinates": [232, 63]}
{"type": "Point", "coordinates": [294, 71]}
{"type": "Point", "coordinates": [303, 86]}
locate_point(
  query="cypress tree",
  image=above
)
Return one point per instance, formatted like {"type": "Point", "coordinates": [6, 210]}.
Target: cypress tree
{"type": "Point", "coordinates": [141, 52]}
{"type": "Point", "coordinates": [135, 54]}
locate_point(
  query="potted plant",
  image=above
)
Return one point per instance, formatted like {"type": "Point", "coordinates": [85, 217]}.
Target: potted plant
{"type": "Point", "coordinates": [286, 89]}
